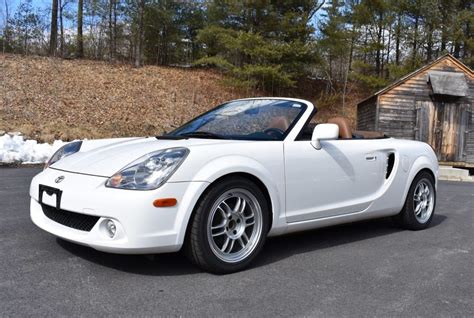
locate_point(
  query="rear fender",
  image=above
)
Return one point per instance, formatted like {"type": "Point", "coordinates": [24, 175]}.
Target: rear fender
{"type": "Point", "coordinates": [422, 162]}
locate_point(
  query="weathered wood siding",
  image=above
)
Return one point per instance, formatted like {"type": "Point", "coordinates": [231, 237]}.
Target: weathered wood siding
{"type": "Point", "coordinates": [401, 108]}
{"type": "Point", "coordinates": [366, 114]}
{"type": "Point", "coordinates": [469, 133]}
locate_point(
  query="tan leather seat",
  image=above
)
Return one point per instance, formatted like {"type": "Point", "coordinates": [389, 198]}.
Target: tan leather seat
{"type": "Point", "coordinates": [279, 122]}
{"type": "Point", "coordinates": [345, 131]}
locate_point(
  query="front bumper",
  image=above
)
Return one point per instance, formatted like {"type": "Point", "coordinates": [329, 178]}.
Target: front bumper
{"type": "Point", "coordinates": [141, 227]}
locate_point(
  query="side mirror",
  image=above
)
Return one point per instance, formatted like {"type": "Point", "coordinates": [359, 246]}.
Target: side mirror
{"type": "Point", "coordinates": [324, 132]}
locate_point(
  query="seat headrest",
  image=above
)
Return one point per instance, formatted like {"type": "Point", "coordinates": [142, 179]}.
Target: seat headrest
{"type": "Point", "coordinates": [345, 131]}
{"type": "Point", "coordinates": [279, 122]}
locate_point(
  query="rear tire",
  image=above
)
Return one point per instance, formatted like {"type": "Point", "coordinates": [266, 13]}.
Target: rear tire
{"type": "Point", "coordinates": [418, 211]}
{"type": "Point", "coordinates": [229, 226]}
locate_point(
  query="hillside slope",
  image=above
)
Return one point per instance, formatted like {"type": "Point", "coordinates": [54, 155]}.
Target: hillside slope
{"type": "Point", "coordinates": [50, 98]}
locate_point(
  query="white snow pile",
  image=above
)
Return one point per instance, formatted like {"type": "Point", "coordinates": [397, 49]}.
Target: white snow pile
{"type": "Point", "coordinates": [15, 149]}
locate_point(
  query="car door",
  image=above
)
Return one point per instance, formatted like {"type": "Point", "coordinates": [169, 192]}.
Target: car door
{"type": "Point", "coordinates": [340, 178]}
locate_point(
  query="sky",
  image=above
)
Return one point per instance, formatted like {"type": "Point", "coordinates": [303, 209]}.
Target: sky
{"type": "Point", "coordinates": [13, 4]}
{"type": "Point", "coordinates": [46, 4]}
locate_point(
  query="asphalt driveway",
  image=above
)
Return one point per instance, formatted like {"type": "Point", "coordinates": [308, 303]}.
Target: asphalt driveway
{"type": "Point", "coordinates": [362, 269]}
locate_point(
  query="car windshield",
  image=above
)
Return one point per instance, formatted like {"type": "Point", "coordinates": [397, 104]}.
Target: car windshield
{"type": "Point", "coordinates": [253, 119]}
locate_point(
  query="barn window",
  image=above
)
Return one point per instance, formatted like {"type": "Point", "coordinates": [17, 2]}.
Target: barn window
{"type": "Point", "coordinates": [448, 83]}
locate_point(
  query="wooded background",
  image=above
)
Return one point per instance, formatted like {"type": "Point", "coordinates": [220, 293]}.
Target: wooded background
{"type": "Point", "coordinates": [270, 45]}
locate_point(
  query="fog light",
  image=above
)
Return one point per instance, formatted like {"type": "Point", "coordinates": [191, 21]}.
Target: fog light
{"type": "Point", "coordinates": [111, 228]}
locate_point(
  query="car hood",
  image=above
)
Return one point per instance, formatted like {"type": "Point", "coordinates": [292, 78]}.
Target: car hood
{"type": "Point", "coordinates": [106, 157]}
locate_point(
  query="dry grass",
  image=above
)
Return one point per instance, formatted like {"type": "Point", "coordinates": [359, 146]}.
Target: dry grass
{"type": "Point", "coordinates": [47, 98]}
{"type": "Point", "coordinates": [50, 98]}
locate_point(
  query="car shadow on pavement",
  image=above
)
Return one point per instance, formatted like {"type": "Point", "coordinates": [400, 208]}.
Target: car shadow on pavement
{"type": "Point", "coordinates": [275, 249]}
{"type": "Point", "coordinates": [282, 247]}
{"type": "Point", "coordinates": [155, 265]}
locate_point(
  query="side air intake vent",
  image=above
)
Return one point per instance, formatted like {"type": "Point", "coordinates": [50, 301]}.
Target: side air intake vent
{"type": "Point", "coordinates": [390, 162]}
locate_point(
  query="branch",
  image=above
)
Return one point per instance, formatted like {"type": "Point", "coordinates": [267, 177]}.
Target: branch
{"type": "Point", "coordinates": [316, 9]}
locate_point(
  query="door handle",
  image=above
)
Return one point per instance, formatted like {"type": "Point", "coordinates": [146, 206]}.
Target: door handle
{"type": "Point", "coordinates": [370, 157]}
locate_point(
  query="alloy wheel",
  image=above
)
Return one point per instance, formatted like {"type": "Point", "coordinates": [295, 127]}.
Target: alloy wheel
{"type": "Point", "coordinates": [234, 225]}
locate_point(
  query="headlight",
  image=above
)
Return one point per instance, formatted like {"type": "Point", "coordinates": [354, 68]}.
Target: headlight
{"type": "Point", "coordinates": [64, 151]}
{"type": "Point", "coordinates": [150, 171]}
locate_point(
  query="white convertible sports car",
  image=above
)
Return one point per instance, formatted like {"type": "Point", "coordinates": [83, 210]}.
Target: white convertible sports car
{"type": "Point", "coordinates": [223, 182]}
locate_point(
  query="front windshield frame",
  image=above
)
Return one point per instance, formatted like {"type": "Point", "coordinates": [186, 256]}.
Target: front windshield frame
{"type": "Point", "coordinates": [304, 107]}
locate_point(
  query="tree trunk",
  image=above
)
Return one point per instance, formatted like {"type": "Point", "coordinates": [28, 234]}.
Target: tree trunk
{"type": "Point", "coordinates": [443, 38]}
{"type": "Point", "coordinates": [379, 44]}
{"type": "Point", "coordinates": [25, 42]}
{"type": "Point", "coordinates": [397, 39]}
{"type": "Point", "coordinates": [429, 43]}
{"type": "Point", "coordinates": [365, 44]}
{"type": "Point", "coordinates": [80, 38]}
{"type": "Point", "coordinates": [111, 31]}
{"type": "Point", "coordinates": [344, 91]}
{"type": "Point", "coordinates": [351, 50]}
{"type": "Point", "coordinates": [415, 42]}
{"type": "Point", "coordinates": [6, 32]}
{"type": "Point", "coordinates": [54, 28]}
{"type": "Point", "coordinates": [115, 29]}
{"type": "Point", "coordinates": [389, 43]}
{"type": "Point", "coordinates": [457, 48]}
{"type": "Point", "coordinates": [61, 28]}
{"type": "Point", "coordinates": [138, 53]}
{"type": "Point", "coordinates": [382, 59]}
{"type": "Point", "coordinates": [466, 47]}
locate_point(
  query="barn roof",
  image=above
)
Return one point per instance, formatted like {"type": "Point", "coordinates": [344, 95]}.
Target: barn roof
{"type": "Point", "coordinates": [402, 80]}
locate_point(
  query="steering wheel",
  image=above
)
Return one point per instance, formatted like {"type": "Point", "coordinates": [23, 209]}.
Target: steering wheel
{"type": "Point", "coordinates": [274, 132]}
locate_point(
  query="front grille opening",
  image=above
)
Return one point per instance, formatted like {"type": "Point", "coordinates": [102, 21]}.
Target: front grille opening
{"type": "Point", "coordinates": [390, 163]}
{"type": "Point", "coordinates": [78, 221]}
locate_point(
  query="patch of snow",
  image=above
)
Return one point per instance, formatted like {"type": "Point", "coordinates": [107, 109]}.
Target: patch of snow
{"type": "Point", "coordinates": [15, 149]}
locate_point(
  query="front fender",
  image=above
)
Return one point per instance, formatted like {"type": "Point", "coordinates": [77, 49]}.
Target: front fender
{"type": "Point", "coordinates": [222, 166]}
{"type": "Point", "coordinates": [226, 165]}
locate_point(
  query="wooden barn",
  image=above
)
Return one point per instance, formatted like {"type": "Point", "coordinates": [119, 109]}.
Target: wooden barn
{"type": "Point", "coordinates": [433, 104]}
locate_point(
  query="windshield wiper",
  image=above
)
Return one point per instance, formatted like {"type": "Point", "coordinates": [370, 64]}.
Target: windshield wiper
{"type": "Point", "coordinates": [202, 134]}
{"type": "Point", "coordinates": [170, 137]}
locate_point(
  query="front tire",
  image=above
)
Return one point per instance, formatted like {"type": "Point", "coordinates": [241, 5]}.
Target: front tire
{"type": "Point", "coordinates": [229, 226]}
{"type": "Point", "coordinates": [418, 211]}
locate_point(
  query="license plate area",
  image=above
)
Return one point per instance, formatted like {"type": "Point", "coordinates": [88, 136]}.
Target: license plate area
{"type": "Point", "coordinates": [52, 197]}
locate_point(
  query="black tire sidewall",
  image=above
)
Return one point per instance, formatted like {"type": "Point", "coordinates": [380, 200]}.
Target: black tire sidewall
{"type": "Point", "coordinates": [408, 213]}
{"type": "Point", "coordinates": [213, 262]}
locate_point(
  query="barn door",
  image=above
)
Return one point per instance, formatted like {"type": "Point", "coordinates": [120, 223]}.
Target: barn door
{"type": "Point", "coordinates": [443, 126]}
{"type": "Point", "coordinates": [464, 129]}
{"type": "Point", "coordinates": [426, 122]}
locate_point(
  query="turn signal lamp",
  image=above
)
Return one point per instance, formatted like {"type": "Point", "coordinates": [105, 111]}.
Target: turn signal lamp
{"type": "Point", "coordinates": [166, 202]}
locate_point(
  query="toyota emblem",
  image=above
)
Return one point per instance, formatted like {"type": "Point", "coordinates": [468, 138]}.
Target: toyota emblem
{"type": "Point", "coordinates": [59, 179]}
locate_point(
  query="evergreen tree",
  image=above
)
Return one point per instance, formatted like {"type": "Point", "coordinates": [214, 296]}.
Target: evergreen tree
{"type": "Point", "coordinates": [265, 44]}
{"type": "Point", "coordinates": [334, 42]}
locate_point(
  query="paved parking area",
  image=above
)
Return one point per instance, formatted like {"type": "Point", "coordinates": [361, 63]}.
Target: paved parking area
{"type": "Point", "coordinates": [362, 269]}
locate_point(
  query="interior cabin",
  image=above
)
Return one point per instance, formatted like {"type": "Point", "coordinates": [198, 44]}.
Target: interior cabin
{"type": "Point", "coordinates": [434, 104]}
